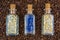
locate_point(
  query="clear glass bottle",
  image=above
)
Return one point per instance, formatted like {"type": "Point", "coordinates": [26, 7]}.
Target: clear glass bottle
{"type": "Point", "coordinates": [47, 21]}
{"type": "Point", "coordinates": [29, 21]}
{"type": "Point", "coordinates": [12, 22]}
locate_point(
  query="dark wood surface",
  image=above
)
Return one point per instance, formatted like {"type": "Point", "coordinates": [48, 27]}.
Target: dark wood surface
{"type": "Point", "coordinates": [38, 6]}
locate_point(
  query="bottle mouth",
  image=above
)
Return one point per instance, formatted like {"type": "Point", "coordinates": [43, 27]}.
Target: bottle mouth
{"type": "Point", "coordinates": [12, 11]}
{"type": "Point", "coordinates": [47, 11]}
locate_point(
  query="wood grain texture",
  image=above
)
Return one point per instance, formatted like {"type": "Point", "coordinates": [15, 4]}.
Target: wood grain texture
{"type": "Point", "coordinates": [38, 6]}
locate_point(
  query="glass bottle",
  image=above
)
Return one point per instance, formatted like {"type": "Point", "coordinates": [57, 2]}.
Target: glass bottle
{"type": "Point", "coordinates": [29, 21]}
{"type": "Point", "coordinates": [47, 21]}
{"type": "Point", "coordinates": [12, 22]}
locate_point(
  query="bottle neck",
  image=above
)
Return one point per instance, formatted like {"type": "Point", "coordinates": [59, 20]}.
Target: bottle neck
{"type": "Point", "coordinates": [12, 11]}
{"type": "Point", "coordinates": [29, 12]}
{"type": "Point", "coordinates": [48, 11]}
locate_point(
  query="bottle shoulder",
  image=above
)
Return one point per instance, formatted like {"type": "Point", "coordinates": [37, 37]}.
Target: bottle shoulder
{"type": "Point", "coordinates": [48, 15]}
{"type": "Point", "coordinates": [12, 15]}
{"type": "Point", "coordinates": [29, 15]}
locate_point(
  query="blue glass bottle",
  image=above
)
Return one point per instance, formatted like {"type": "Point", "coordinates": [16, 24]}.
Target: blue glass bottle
{"type": "Point", "coordinates": [29, 21]}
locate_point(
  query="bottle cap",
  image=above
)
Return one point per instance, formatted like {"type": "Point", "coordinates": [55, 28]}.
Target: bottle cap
{"type": "Point", "coordinates": [47, 6]}
{"type": "Point", "coordinates": [30, 8]}
{"type": "Point", "coordinates": [12, 6]}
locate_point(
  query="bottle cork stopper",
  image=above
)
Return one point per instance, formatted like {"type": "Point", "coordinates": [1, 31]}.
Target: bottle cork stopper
{"type": "Point", "coordinates": [30, 8]}
{"type": "Point", "coordinates": [12, 6]}
{"type": "Point", "coordinates": [47, 6]}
